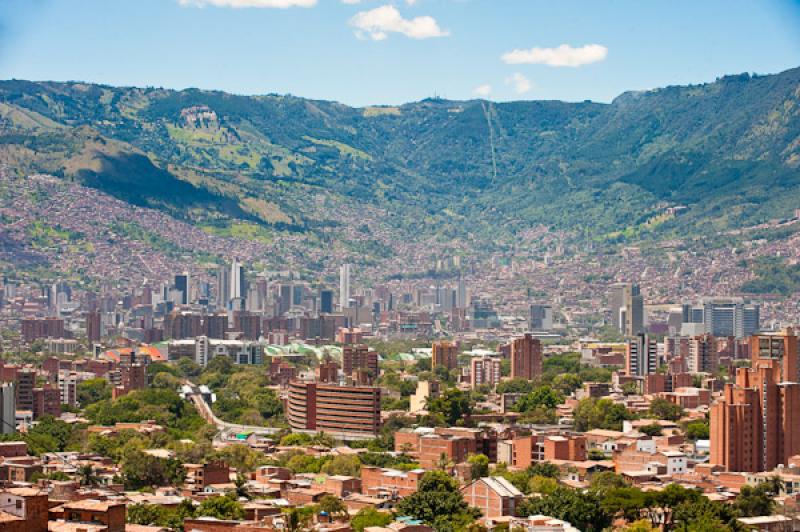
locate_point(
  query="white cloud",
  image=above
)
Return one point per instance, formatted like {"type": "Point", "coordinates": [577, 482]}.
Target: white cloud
{"type": "Point", "coordinates": [520, 83]}
{"type": "Point", "coordinates": [351, 2]}
{"type": "Point", "coordinates": [564, 55]}
{"type": "Point", "coordinates": [411, 2]}
{"type": "Point", "coordinates": [280, 4]}
{"type": "Point", "coordinates": [378, 23]}
{"type": "Point", "coordinates": [482, 90]}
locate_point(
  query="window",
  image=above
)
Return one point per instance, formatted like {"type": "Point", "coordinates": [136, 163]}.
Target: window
{"type": "Point", "coordinates": [19, 504]}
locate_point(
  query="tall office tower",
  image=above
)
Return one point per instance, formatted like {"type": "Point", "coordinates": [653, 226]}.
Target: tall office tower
{"type": "Point", "coordinates": [8, 408]}
{"type": "Point", "coordinates": [461, 294]}
{"type": "Point", "coordinates": [724, 316]}
{"type": "Point", "coordinates": [223, 287]}
{"type": "Point", "coordinates": [285, 299]}
{"type": "Point", "coordinates": [182, 286]}
{"type": "Point", "coordinates": [541, 317]}
{"type": "Point", "coordinates": [238, 286]}
{"type": "Point", "coordinates": [703, 357]}
{"type": "Point", "coordinates": [326, 301]}
{"type": "Point", "coordinates": [485, 370]}
{"type": "Point", "coordinates": [93, 324]}
{"type": "Point", "coordinates": [444, 354]}
{"type": "Point", "coordinates": [641, 355]}
{"type": "Point", "coordinates": [344, 286]}
{"type": "Point", "coordinates": [627, 308]}
{"type": "Point", "coordinates": [526, 357]}
{"type": "Point", "coordinates": [756, 425]}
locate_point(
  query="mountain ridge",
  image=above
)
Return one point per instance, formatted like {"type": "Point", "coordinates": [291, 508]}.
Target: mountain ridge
{"type": "Point", "coordinates": [728, 150]}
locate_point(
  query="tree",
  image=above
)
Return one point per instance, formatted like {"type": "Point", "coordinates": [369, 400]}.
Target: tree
{"type": "Point", "coordinates": [479, 465]}
{"type": "Point", "coordinates": [453, 406]}
{"type": "Point", "coordinates": [543, 485]}
{"type": "Point", "coordinates": [663, 409]}
{"type": "Point", "coordinates": [333, 506]}
{"type": "Point", "coordinates": [582, 510]}
{"type": "Point", "coordinates": [93, 390]}
{"type": "Point", "coordinates": [697, 430]}
{"type": "Point", "coordinates": [242, 492]}
{"type": "Point", "coordinates": [221, 507]}
{"type": "Point", "coordinates": [599, 414]}
{"type": "Point", "coordinates": [140, 470]}
{"type": "Point", "coordinates": [369, 516]}
{"type": "Point", "coordinates": [347, 465]}
{"type": "Point", "coordinates": [438, 502]}
{"type": "Point", "coordinates": [605, 481]}
{"type": "Point", "coordinates": [653, 429]}
{"type": "Point", "coordinates": [755, 501]}
{"type": "Point", "coordinates": [543, 396]}
{"type": "Point", "coordinates": [87, 475]}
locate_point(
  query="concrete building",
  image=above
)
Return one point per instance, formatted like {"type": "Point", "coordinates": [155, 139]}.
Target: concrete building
{"type": "Point", "coordinates": [703, 357]}
{"type": "Point", "coordinates": [344, 286]}
{"type": "Point", "coordinates": [641, 358]}
{"type": "Point", "coordinates": [627, 308]}
{"type": "Point", "coordinates": [485, 370]}
{"type": "Point", "coordinates": [426, 390]}
{"type": "Point", "coordinates": [356, 357]}
{"type": "Point", "coordinates": [8, 408]}
{"type": "Point", "coordinates": [541, 317]}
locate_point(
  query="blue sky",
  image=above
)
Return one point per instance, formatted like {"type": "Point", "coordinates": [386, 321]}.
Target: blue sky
{"type": "Point", "coordinates": [383, 51]}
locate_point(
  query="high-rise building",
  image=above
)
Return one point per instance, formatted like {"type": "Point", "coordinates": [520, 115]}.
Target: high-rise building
{"type": "Point", "coordinates": [182, 286]}
{"type": "Point", "coordinates": [703, 357]}
{"type": "Point", "coordinates": [93, 327]}
{"type": "Point", "coordinates": [485, 370]}
{"type": "Point", "coordinates": [326, 301]}
{"type": "Point", "coordinates": [541, 317]}
{"type": "Point", "coordinates": [223, 287]}
{"type": "Point", "coordinates": [46, 401]}
{"type": "Point", "coordinates": [641, 355]}
{"type": "Point", "coordinates": [238, 289]}
{"type": "Point", "coordinates": [780, 348]}
{"type": "Point", "coordinates": [216, 325]}
{"type": "Point", "coordinates": [356, 357]}
{"type": "Point", "coordinates": [461, 294]}
{"type": "Point", "coordinates": [334, 409]}
{"type": "Point", "coordinates": [756, 425]}
{"type": "Point", "coordinates": [444, 354]}
{"type": "Point", "coordinates": [8, 408]}
{"type": "Point", "coordinates": [344, 286]}
{"type": "Point", "coordinates": [39, 328]}
{"type": "Point", "coordinates": [26, 382]}
{"type": "Point", "coordinates": [526, 357]}
{"type": "Point", "coordinates": [627, 308]}
{"type": "Point", "coordinates": [722, 317]}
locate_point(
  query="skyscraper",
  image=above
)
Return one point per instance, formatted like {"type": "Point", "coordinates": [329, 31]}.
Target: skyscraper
{"type": "Point", "coordinates": [627, 308]}
{"type": "Point", "coordinates": [723, 316]}
{"type": "Point", "coordinates": [182, 286]}
{"type": "Point", "coordinates": [703, 357]}
{"type": "Point", "coordinates": [8, 408]}
{"type": "Point", "coordinates": [223, 287]}
{"type": "Point", "coordinates": [344, 286]}
{"type": "Point", "coordinates": [541, 317]}
{"type": "Point", "coordinates": [238, 288]}
{"type": "Point", "coordinates": [641, 355]}
{"type": "Point", "coordinates": [326, 301]}
{"type": "Point", "coordinates": [526, 357]}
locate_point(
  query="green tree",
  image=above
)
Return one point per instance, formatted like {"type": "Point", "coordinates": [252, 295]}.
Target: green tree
{"type": "Point", "coordinates": [347, 465]}
{"type": "Point", "coordinates": [582, 510]}
{"type": "Point", "coordinates": [697, 430]}
{"type": "Point", "coordinates": [479, 465]}
{"type": "Point", "coordinates": [755, 501]}
{"type": "Point", "coordinates": [653, 429]}
{"type": "Point", "coordinates": [599, 414]}
{"type": "Point", "coordinates": [438, 502]}
{"type": "Point", "coordinates": [369, 516]}
{"type": "Point", "coordinates": [333, 506]}
{"type": "Point", "coordinates": [221, 507]}
{"type": "Point", "coordinates": [87, 475]}
{"type": "Point", "coordinates": [140, 470]}
{"type": "Point", "coordinates": [453, 406]}
{"type": "Point", "coordinates": [93, 390]}
{"type": "Point", "coordinates": [664, 409]}
{"type": "Point", "coordinates": [542, 396]}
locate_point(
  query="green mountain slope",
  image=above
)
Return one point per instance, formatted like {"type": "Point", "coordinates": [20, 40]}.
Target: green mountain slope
{"type": "Point", "coordinates": [729, 151]}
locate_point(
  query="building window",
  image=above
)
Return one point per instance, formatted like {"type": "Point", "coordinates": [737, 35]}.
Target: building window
{"type": "Point", "coordinates": [19, 505]}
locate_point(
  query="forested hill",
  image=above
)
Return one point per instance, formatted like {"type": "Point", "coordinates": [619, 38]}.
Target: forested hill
{"type": "Point", "coordinates": [727, 151]}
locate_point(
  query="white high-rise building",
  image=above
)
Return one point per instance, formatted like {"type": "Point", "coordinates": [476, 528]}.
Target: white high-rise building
{"type": "Point", "coordinates": [8, 408]}
{"type": "Point", "coordinates": [344, 285]}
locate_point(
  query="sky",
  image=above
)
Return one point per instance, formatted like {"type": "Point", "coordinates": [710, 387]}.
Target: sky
{"type": "Point", "coordinates": [367, 52]}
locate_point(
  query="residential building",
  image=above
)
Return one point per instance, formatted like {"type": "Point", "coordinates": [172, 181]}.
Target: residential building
{"type": "Point", "coordinates": [493, 496]}
{"type": "Point", "coordinates": [641, 357]}
{"type": "Point", "coordinates": [485, 370]}
{"type": "Point", "coordinates": [526, 357]}
{"type": "Point", "coordinates": [444, 354]}
{"type": "Point", "coordinates": [328, 407]}
{"type": "Point", "coordinates": [627, 308]}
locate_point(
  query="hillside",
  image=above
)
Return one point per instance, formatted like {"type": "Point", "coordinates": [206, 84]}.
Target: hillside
{"type": "Point", "coordinates": [728, 151]}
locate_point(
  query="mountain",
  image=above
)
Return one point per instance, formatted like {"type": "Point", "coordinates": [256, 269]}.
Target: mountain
{"type": "Point", "coordinates": [672, 162]}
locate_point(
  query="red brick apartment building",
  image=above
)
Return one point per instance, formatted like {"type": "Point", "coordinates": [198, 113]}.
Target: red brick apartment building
{"type": "Point", "coordinates": [756, 425]}
{"type": "Point", "coordinates": [23, 510]}
{"type": "Point", "coordinates": [493, 496]}
{"type": "Point", "coordinates": [332, 408]}
{"type": "Point", "coordinates": [359, 357]}
{"type": "Point", "coordinates": [454, 443]}
{"type": "Point", "coordinates": [391, 483]}
{"type": "Point", "coordinates": [444, 354]}
{"type": "Point", "coordinates": [526, 357]}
